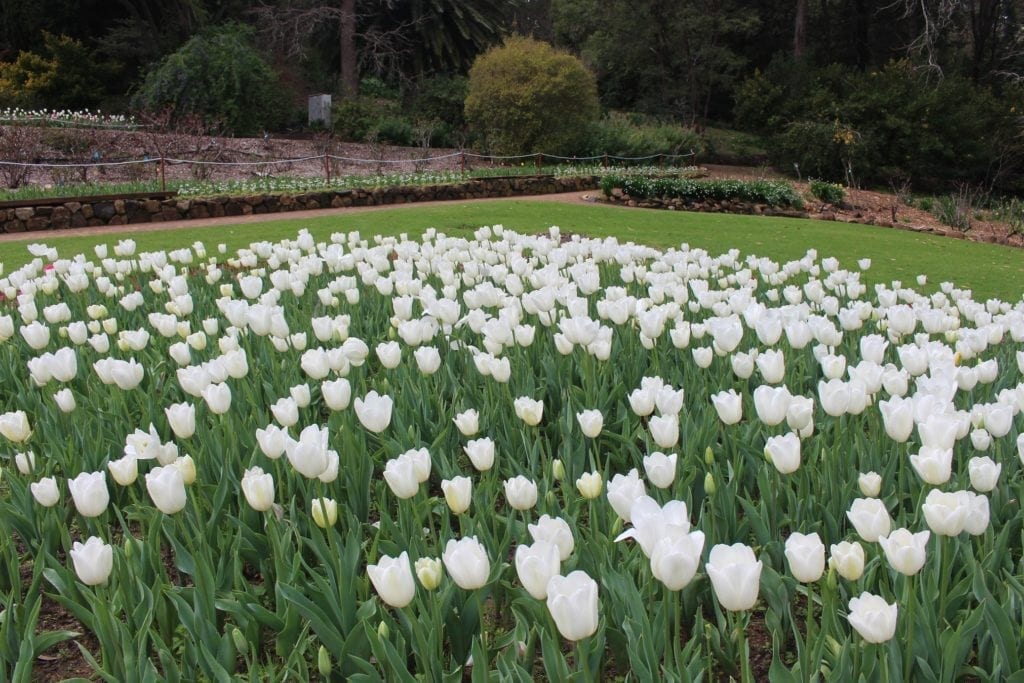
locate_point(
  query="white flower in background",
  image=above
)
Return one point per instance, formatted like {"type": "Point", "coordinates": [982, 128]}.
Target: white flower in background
{"type": "Point", "coordinates": [783, 452]}
{"type": "Point", "coordinates": [374, 411]}
{"type": "Point", "coordinates": [458, 493]}
{"type": "Point", "coordinates": [481, 453]}
{"type": "Point", "coordinates": [89, 493]}
{"type": "Point", "coordinates": [870, 484]}
{"type": "Point", "coordinates": [870, 518]}
{"type": "Point", "coordinates": [664, 430]}
{"type": "Point", "coordinates": [805, 555]}
{"type": "Point", "coordinates": [623, 490]}
{"type": "Point", "coordinates": [904, 550]}
{"type": "Point", "coordinates": [847, 558]}
{"type": "Point", "coordinates": [933, 465]}
{"type": "Point", "coordinates": [14, 426]}
{"type": "Point", "coordinates": [661, 468]}
{"type": "Point", "coordinates": [729, 406]}
{"type": "Point", "coordinates": [556, 531]}
{"type": "Point", "coordinates": [521, 493]}
{"type": "Point", "coordinates": [45, 491]}
{"type": "Point", "coordinates": [591, 422]}
{"type": "Point", "coordinates": [529, 410]}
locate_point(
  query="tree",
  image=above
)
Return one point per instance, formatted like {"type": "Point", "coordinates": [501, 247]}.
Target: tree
{"type": "Point", "coordinates": [219, 76]}
{"type": "Point", "coordinates": [666, 57]}
{"type": "Point", "coordinates": [66, 74]}
{"type": "Point", "coordinates": [527, 97]}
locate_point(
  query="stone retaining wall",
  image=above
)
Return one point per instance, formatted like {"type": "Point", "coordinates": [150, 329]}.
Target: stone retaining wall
{"type": "Point", "coordinates": [80, 214]}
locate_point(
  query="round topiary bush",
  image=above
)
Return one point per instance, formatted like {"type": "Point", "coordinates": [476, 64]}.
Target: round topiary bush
{"type": "Point", "coordinates": [526, 97]}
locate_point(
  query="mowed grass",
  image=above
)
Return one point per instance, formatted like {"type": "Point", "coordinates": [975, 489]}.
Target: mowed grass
{"type": "Point", "coordinates": [989, 270]}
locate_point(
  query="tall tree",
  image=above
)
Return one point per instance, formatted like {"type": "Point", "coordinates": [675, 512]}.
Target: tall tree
{"type": "Point", "coordinates": [800, 30]}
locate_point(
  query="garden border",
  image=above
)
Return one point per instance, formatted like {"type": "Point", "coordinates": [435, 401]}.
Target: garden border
{"type": "Point", "coordinates": [91, 212]}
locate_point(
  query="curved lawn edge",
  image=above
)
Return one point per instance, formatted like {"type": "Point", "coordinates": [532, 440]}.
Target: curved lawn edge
{"type": "Point", "coordinates": [989, 270]}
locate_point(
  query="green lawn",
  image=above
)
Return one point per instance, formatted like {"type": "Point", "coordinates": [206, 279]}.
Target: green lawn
{"type": "Point", "coordinates": [990, 270]}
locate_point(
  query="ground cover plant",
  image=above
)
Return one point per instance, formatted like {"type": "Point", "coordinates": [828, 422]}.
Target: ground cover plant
{"type": "Point", "coordinates": [549, 454]}
{"type": "Point", "coordinates": [769, 192]}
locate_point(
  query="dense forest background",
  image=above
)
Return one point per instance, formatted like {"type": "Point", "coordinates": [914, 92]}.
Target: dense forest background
{"type": "Point", "coordinates": [924, 90]}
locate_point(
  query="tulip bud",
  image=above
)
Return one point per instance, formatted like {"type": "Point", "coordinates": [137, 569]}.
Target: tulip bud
{"type": "Point", "coordinates": [709, 484]}
{"type": "Point", "coordinates": [429, 571]}
{"type": "Point", "coordinates": [25, 462]}
{"type": "Point", "coordinates": [870, 484]}
{"type": "Point", "coordinates": [324, 511]}
{"type": "Point", "coordinates": [383, 632]}
{"type": "Point", "coordinates": [590, 484]}
{"type": "Point", "coordinates": [709, 456]}
{"type": "Point", "coordinates": [557, 469]}
{"type": "Point", "coordinates": [241, 644]}
{"type": "Point", "coordinates": [187, 467]}
{"type": "Point", "coordinates": [323, 662]}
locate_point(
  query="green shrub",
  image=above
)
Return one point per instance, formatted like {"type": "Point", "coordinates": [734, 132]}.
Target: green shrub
{"type": "Point", "coordinates": [633, 135]}
{"type": "Point", "coordinates": [526, 97]}
{"type": "Point", "coordinates": [830, 193]}
{"type": "Point", "coordinates": [440, 98]}
{"type": "Point", "coordinates": [220, 77]}
{"type": "Point", "coordinates": [770, 192]}
{"type": "Point", "coordinates": [65, 75]}
{"type": "Point", "coordinates": [926, 204]}
{"type": "Point", "coordinates": [826, 122]}
{"type": "Point", "coordinates": [395, 130]}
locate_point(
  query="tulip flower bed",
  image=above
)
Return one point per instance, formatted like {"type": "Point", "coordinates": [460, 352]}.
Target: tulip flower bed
{"type": "Point", "coordinates": [507, 456]}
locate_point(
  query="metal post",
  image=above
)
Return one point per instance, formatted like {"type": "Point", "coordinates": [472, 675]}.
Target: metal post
{"type": "Point", "coordinates": [462, 162]}
{"type": "Point", "coordinates": [327, 168]}
{"type": "Point", "coordinates": [606, 159]}
{"type": "Point", "coordinates": [163, 175]}
{"type": "Point", "coordinates": [540, 162]}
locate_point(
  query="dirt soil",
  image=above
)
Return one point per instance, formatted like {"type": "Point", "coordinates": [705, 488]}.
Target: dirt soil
{"type": "Point", "coordinates": [877, 208]}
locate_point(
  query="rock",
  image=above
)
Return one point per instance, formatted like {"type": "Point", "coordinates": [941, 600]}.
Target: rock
{"type": "Point", "coordinates": [23, 213]}
{"type": "Point", "coordinates": [104, 211]}
{"type": "Point", "coordinates": [119, 206]}
{"type": "Point", "coordinates": [152, 205]}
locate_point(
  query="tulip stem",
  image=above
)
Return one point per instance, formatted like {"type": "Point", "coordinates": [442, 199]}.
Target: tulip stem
{"type": "Point", "coordinates": [808, 631]}
{"type": "Point", "coordinates": [911, 600]}
{"type": "Point", "coordinates": [740, 628]}
{"type": "Point", "coordinates": [583, 661]}
{"type": "Point", "coordinates": [945, 554]}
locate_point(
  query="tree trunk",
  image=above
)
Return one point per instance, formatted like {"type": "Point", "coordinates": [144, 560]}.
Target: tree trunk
{"type": "Point", "coordinates": [800, 30]}
{"type": "Point", "coordinates": [349, 67]}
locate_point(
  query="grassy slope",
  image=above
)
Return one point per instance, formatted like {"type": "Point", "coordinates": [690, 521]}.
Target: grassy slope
{"type": "Point", "coordinates": [990, 270]}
